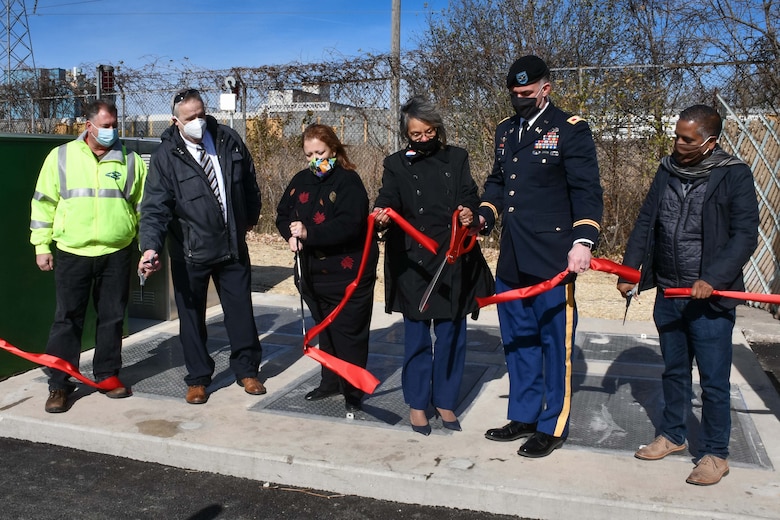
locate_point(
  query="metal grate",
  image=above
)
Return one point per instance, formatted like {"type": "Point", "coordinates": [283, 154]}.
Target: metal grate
{"type": "Point", "coordinates": [385, 407]}
{"type": "Point", "coordinates": [616, 407]}
{"type": "Point", "coordinates": [621, 413]}
{"type": "Point", "coordinates": [157, 366]}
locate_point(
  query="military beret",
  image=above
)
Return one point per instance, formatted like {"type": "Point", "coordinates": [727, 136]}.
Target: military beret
{"type": "Point", "coordinates": [526, 70]}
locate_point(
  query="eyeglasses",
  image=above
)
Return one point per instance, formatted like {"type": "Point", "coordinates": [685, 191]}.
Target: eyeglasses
{"type": "Point", "coordinates": [178, 98]}
{"type": "Point", "coordinates": [429, 133]}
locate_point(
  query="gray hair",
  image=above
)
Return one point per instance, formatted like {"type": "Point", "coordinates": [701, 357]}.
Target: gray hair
{"type": "Point", "coordinates": [184, 95]}
{"type": "Point", "coordinates": [420, 108]}
{"type": "Point", "coordinates": [92, 110]}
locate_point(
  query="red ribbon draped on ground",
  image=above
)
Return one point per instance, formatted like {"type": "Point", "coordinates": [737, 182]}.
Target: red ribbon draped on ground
{"type": "Point", "coordinates": [753, 297]}
{"type": "Point", "coordinates": [60, 364]}
{"type": "Point", "coordinates": [357, 376]}
{"type": "Point", "coordinates": [597, 264]}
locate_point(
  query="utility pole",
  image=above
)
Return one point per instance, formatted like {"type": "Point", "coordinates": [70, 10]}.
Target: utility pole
{"type": "Point", "coordinates": [395, 71]}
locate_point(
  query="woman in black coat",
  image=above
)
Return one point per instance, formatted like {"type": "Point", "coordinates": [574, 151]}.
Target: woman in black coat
{"type": "Point", "coordinates": [426, 183]}
{"type": "Point", "coordinates": [323, 215]}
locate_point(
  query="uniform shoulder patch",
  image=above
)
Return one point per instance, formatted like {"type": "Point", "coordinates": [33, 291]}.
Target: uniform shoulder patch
{"type": "Point", "coordinates": [503, 123]}
{"type": "Point", "coordinates": [573, 120]}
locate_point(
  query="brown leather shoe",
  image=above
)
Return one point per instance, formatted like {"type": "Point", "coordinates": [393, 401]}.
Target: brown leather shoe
{"type": "Point", "coordinates": [252, 385]}
{"type": "Point", "coordinates": [57, 401]}
{"type": "Point", "coordinates": [119, 393]}
{"type": "Point", "coordinates": [658, 449]}
{"type": "Point", "coordinates": [708, 471]}
{"type": "Point", "coordinates": [196, 394]}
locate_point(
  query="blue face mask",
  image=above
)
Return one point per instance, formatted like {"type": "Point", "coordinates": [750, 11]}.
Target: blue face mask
{"type": "Point", "coordinates": [106, 136]}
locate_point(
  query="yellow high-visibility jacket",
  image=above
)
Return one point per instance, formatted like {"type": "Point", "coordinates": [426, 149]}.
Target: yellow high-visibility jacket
{"type": "Point", "coordinates": [88, 206]}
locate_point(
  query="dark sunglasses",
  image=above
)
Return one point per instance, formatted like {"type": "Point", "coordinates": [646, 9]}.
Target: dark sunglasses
{"type": "Point", "coordinates": [184, 94]}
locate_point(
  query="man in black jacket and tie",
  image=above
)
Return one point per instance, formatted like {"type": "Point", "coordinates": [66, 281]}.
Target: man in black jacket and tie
{"type": "Point", "coordinates": [202, 194]}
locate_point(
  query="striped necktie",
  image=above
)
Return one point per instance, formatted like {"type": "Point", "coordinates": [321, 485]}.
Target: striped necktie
{"type": "Point", "coordinates": [211, 174]}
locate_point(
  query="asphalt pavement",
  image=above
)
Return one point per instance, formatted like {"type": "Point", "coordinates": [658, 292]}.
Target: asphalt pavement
{"type": "Point", "coordinates": [44, 481]}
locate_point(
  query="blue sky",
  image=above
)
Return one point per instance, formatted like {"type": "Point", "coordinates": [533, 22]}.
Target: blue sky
{"type": "Point", "coordinates": [214, 34]}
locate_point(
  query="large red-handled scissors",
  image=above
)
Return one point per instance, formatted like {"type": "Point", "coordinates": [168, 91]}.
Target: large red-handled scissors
{"type": "Point", "coordinates": [461, 241]}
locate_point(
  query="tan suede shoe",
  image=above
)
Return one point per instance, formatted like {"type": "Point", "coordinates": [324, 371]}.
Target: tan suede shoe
{"type": "Point", "coordinates": [708, 471]}
{"type": "Point", "coordinates": [658, 449]}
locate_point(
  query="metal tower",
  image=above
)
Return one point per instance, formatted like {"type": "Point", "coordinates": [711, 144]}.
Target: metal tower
{"type": "Point", "coordinates": [17, 52]}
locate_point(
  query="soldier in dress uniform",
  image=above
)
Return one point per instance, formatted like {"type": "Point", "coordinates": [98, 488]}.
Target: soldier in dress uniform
{"type": "Point", "coordinates": [545, 186]}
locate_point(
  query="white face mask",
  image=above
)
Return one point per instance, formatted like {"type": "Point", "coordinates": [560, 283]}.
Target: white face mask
{"type": "Point", "coordinates": [194, 129]}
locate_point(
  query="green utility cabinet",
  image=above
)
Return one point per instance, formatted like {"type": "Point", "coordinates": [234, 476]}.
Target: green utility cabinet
{"type": "Point", "coordinates": [27, 298]}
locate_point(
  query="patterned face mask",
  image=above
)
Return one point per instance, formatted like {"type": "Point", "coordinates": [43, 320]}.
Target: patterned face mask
{"type": "Point", "coordinates": [321, 167]}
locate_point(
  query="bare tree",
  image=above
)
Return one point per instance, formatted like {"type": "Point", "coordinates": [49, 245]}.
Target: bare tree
{"type": "Point", "coordinates": [746, 33]}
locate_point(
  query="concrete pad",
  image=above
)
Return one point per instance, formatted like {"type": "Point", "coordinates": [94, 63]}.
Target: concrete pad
{"type": "Point", "coordinates": [241, 435]}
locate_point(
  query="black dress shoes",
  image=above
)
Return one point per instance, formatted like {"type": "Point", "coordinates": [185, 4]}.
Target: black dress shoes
{"type": "Point", "coordinates": [352, 403]}
{"type": "Point", "coordinates": [452, 425]}
{"type": "Point", "coordinates": [540, 445]}
{"type": "Point", "coordinates": [422, 430]}
{"type": "Point", "coordinates": [511, 432]}
{"type": "Point", "coordinates": [318, 394]}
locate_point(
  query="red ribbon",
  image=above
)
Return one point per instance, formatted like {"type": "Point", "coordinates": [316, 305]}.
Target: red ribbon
{"type": "Point", "coordinates": [523, 292]}
{"type": "Point", "coordinates": [60, 364]}
{"type": "Point", "coordinates": [597, 264]}
{"type": "Point", "coordinates": [608, 266]}
{"type": "Point", "coordinates": [421, 238]}
{"type": "Point", "coordinates": [357, 376]}
{"type": "Point", "coordinates": [679, 292]}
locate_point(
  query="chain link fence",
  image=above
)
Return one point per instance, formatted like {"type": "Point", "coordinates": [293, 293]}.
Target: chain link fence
{"type": "Point", "coordinates": [631, 109]}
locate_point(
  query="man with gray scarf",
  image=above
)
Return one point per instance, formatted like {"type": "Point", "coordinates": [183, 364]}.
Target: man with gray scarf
{"type": "Point", "coordinates": [697, 227]}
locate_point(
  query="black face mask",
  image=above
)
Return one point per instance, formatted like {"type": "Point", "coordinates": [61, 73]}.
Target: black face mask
{"type": "Point", "coordinates": [524, 107]}
{"type": "Point", "coordinates": [426, 147]}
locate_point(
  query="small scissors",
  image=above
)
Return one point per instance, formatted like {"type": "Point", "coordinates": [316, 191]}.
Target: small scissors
{"type": "Point", "coordinates": [460, 242]}
{"type": "Point", "coordinates": [141, 282]}
{"type": "Point", "coordinates": [142, 278]}
{"type": "Point", "coordinates": [629, 296]}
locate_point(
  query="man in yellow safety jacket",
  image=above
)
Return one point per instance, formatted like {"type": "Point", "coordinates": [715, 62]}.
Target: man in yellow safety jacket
{"type": "Point", "coordinates": [86, 201]}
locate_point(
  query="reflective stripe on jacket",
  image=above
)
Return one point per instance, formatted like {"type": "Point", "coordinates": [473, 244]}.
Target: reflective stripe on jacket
{"type": "Point", "coordinates": [88, 206]}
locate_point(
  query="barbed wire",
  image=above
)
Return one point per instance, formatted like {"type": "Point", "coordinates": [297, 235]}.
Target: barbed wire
{"type": "Point", "coordinates": [631, 110]}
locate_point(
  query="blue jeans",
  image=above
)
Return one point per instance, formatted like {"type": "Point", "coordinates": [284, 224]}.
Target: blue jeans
{"type": "Point", "coordinates": [107, 279]}
{"type": "Point", "coordinates": [688, 330]}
